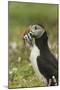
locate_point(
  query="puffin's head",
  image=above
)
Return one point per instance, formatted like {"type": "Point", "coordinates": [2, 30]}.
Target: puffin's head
{"type": "Point", "coordinates": [34, 31]}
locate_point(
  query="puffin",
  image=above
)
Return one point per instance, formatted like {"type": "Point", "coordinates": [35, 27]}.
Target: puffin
{"type": "Point", "coordinates": [43, 61]}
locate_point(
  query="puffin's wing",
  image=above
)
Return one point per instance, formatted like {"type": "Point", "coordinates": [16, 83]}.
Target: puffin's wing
{"type": "Point", "coordinates": [45, 67]}
{"type": "Point", "coordinates": [51, 59]}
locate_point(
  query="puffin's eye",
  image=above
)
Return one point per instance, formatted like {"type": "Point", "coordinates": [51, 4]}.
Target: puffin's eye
{"type": "Point", "coordinates": [35, 27]}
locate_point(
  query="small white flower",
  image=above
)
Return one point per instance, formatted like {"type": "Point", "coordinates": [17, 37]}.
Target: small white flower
{"type": "Point", "coordinates": [19, 59]}
{"type": "Point", "coordinates": [14, 69]}
{"type": "Point", "coordinates": [30, 64]}
{"type": "Point", "coordinates": [24, 80]}
{"type": "Point", "coordinates": [13, 45]}
{"type": "Point", "coordinates": [10, 72]}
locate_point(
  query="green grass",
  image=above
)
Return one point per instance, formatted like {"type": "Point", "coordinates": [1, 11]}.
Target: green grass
{"type": "Point", "coordinates": [21, 15]}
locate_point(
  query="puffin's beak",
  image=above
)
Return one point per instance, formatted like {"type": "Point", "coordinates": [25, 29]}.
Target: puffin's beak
{"type": "Point", "coordinates": [28, 35]}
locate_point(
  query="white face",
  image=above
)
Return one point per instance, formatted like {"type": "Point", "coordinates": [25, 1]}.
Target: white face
{"type": "Point", "coordinates": [37, 30]}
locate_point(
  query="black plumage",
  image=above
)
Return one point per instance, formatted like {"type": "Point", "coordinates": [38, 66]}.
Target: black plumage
{"type": "Point", "coordinates": [47, 63]}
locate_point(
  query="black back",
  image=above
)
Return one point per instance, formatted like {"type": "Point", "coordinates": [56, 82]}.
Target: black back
{"type": "Point", "coordinates": [47, 63]}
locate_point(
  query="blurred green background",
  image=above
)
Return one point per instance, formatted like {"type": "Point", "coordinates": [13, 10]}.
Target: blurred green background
{"type": "Point", "coordinates": [20, 16]}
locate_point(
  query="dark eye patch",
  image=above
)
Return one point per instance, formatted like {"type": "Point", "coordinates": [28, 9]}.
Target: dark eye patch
{"type": "Point", "coordinates": [35, 27]}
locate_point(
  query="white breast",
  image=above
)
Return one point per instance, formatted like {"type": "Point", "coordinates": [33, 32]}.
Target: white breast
{"type": "Point", "coordinates": [33, 58]}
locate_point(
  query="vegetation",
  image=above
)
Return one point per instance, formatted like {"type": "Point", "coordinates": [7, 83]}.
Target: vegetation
{"type": "Point", "coordinates": [21, 15]}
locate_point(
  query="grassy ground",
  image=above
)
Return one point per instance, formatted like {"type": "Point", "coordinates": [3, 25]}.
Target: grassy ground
{"type": "Point", "coordinates": [21, 15]}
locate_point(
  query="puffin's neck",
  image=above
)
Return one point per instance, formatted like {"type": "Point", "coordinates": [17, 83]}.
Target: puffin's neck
{"type": "Point", "coordinates": [42, 43]}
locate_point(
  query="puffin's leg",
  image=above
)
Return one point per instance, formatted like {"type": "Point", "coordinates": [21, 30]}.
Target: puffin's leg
{"type": "Point", "coordinates": [49, 82]}
{"type": "Point", "coordinates": [54, 80]}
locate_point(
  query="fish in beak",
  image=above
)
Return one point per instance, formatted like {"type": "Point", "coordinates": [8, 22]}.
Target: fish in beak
{"type": "Point", "coordinates": [28, 37]}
